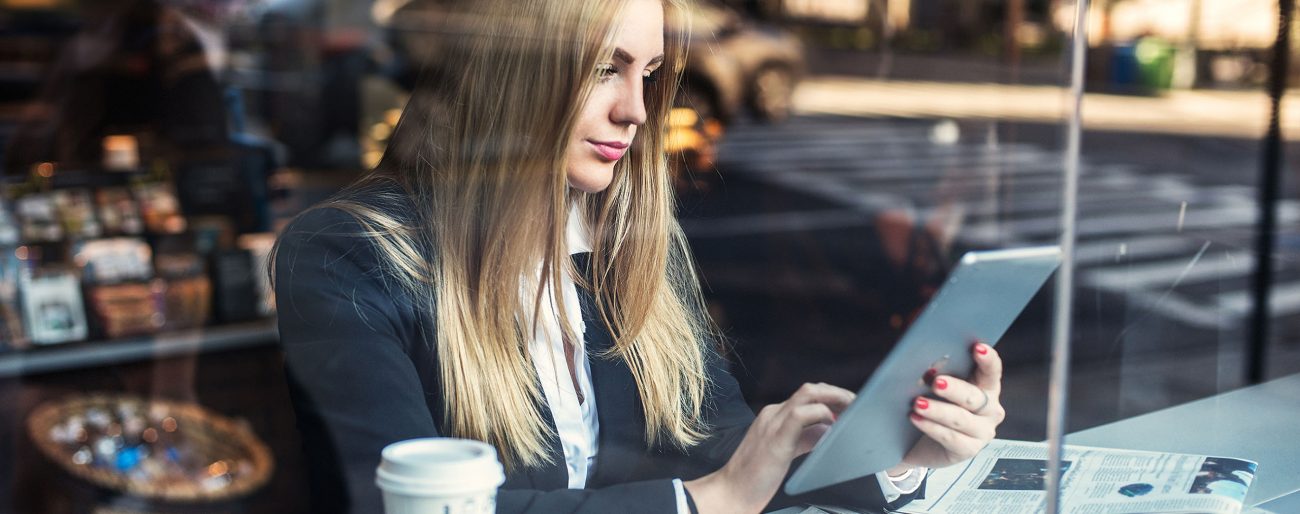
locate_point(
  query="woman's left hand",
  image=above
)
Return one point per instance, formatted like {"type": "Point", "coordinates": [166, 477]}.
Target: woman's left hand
{"type": "Point", "coordinates": [965, 419]}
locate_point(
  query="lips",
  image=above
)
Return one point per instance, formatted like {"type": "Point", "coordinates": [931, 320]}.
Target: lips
{"type": "Point", "coordinates": [609, 150]}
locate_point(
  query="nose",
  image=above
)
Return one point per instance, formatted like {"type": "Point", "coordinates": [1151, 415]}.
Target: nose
{"type": "Point", "coordinates": [630, 107]}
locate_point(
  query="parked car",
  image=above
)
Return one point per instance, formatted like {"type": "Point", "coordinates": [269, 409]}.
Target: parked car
{"type": "Point", "coordinates": [734, 67]}
{"type": "Point", "coordinates": [735, 64]}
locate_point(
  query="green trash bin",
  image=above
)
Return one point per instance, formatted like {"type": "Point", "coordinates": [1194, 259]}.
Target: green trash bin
{"type": "Point", "coordinates": [1155, 63]}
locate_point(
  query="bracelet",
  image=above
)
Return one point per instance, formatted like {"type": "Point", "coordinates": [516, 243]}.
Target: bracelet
{"type": "Point", "coordinates": [906, 475]}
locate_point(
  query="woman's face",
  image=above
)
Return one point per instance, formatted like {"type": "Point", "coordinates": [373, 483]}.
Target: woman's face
{"type": "Point", "coordinates": [608, 121]}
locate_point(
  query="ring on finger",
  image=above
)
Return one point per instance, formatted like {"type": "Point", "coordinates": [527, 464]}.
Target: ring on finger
{"type": "Point", "coordinates": [983, 404]}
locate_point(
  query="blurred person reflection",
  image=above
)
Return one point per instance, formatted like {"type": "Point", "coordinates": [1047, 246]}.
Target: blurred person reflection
{"type": "Point", "coordinates": [521, 218]}
{"type": "Point", "coordinates": [143, 67]}
{"type": "Point", "coordinates": [319, 53]}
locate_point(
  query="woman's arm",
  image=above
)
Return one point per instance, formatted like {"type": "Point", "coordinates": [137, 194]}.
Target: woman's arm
{"type": "Point", "coordinates": [349, 339]}
{"type": "Point", "coordinates": [731, 418]}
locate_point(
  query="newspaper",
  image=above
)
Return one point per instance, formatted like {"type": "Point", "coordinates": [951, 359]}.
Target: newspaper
{"type": "Point", "coordinates": [1007, 478]}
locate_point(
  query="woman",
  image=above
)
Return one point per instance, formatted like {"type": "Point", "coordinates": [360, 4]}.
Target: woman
{"type": "Point", "coordinates": [512, 272]}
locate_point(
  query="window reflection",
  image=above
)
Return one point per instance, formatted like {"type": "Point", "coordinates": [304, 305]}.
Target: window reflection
{"type": "Point", "coordinates": [832, 159]}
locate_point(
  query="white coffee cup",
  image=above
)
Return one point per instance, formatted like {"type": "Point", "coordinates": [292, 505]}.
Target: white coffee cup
{"type": "Point", "coordinates": [439, 475]}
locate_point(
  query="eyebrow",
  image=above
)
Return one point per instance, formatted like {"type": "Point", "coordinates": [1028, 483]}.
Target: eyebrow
{"type": "Point", "coordinates": [622, 55]}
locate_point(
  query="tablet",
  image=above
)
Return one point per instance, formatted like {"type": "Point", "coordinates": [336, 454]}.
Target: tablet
{"type": "Point", "coordinates": [982, 296]}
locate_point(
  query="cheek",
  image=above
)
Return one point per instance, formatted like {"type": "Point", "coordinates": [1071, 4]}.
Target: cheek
{"type": "Point", "coordinates": [594, 115]}
{"type": "Point", "coordinates": [585, 171]}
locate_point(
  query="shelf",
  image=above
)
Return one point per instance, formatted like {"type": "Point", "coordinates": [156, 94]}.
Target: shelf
{"type": "Point", "coordinates": [46, 359]}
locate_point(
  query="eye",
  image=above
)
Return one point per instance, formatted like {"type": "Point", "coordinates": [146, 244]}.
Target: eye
{"type": "Point", "coordinates": [651, 77]}
{"type": "Point", "coordinates": [605, 71]}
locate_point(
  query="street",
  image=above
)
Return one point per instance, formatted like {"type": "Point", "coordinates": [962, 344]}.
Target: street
{"type": "Point", "coordinates": [818, 238]}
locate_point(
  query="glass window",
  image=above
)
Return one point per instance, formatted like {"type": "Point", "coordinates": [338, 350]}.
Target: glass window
{"type": "Point", "coordinates": [817, 169]}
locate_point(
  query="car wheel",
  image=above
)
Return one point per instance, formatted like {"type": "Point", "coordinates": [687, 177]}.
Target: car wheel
{"type": "Point", "coordinates": [773, 90]}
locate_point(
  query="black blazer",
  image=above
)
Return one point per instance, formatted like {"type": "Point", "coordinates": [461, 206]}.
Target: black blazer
{"type": "Point", "coordinates": [363, 374]}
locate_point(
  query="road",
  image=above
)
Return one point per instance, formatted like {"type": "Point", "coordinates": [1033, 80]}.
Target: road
{"type": "Point", "coordinates": [803, 237]}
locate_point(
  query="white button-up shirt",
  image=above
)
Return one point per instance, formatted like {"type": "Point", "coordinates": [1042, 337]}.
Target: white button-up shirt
{"type": "Point", "coordinates": [577, 423]}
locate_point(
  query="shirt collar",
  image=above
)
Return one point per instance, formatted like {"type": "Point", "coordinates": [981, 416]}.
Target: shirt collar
{"type": "Point", "coordinates": [577, 235]}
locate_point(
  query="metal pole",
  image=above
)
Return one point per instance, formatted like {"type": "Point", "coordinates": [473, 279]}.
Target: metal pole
{"type": "Point", "coordinates": [1059, 385]}
{"type": "Point", "coordinates": [1270, 179]}
{"type": "Point", "coordinates": [1014, 18]}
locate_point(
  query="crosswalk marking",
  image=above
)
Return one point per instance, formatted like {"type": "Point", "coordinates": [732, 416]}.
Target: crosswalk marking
{"type": "Point", "coordinates": [1285, 299]}
{"type": "Point", "coordinates": [775, 222]}
{"type": "Point", "coordinates": [1137, 229]}
{"type": "Point", "coordinates": [1153, 275]}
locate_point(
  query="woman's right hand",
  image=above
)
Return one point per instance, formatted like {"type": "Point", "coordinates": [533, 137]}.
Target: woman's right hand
{"type": "Point", "coordinates": [780, 433]}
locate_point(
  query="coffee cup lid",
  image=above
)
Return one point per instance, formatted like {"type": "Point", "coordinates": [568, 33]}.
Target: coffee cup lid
{"type": "Point", "coordinates": [439, 466]}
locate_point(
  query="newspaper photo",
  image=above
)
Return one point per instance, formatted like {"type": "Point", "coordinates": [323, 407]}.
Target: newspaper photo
{"type": "Point", "coordinates": [1007, 477]}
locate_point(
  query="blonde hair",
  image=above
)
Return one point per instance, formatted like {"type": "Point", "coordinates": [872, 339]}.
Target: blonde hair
{"type": "Point", "coordinates": [481, 152]}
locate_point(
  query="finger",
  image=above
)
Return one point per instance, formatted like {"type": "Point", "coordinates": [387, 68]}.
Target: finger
{"type": "Point", "coordinates": [801, 417]}
{"type": "Point", "coordinates": [954, 442]}
{"type": "Point", "coordinates": [837, 398]}
{"type": "Point", "coordinates": [955, 418]}
{"type": "Point", "coordinates": [963, 393]}
{"type": "Point", "coordinates": [988, 370]}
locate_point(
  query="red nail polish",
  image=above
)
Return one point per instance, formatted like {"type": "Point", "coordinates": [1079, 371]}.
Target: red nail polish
{"type": "Point", "coordinates": [922, 403]}
{"type": "Point", "coordinates": [940, 384]}
{"type": "Point", "coordinates": [916, 417]}
{"type": "Point", "coordinates": [981, 349]}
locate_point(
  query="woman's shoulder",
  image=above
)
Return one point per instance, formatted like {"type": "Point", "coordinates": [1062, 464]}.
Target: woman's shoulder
{"type": "Point", "coordinates": [333, 247]}
{"type": "Point", "coordinates": [346, 229]}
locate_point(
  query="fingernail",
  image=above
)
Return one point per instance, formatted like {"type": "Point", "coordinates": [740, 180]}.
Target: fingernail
{"type": "Point", "coordinates": [834, 417]}
{"type": "Point", "coordinates": [940, 384]}
{"type": "Point", "coordinates": [916, 417]}
{"type": "Point", "coordinates": [922, 403]}
{"type": "Point", "coordinates": [981, 348]}
{"type": "Point", "coordinates": [929, 375]}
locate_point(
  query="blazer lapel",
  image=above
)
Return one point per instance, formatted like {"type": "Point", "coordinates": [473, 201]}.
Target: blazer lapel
{"type": "Point", "coordinates": [622, 420]}
{"type": "Point", "coordinates": [548, 476]}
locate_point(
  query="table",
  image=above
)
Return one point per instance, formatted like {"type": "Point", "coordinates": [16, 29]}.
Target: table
{"type": "Point", "coordinates": [1259, 423]}
{"type": "Point", "coordinates": [1283, 505]}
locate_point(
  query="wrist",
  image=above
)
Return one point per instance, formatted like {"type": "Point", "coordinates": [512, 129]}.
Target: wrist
{"type": "Point", "coordinates": [702, 493]}
{"type": "Point", "coordinates": [715, 494]}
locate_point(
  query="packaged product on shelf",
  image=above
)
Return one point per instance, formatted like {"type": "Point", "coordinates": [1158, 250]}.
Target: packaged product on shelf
{"type": "Point", "coordinates": [11, 325]}
{"type": "Point", "coordinates": [8, 226]}
{"type": "Point", "coordinates": [259, 247]}
{"type": "Point", "coordinates": [76, 211]}
{"type": "Point", "coordinates": [123, 298]}
{"type": "Point", "coordinates": [234, 290]}
{"type": "Point", "coordinates": [127, 309]}
{"type": "Point", "coordinates": [121, 153]}
{"type": "Point", "coordinates": [212, 233]}
{"type": "Point", "coordinates": [38, 218]}
{"type": "Point", "coordinates": [119, 259]}
{"type": "Point", "coordinates": [118, 212]}
{"type": "Point", "coordinates": [187, 297]}
{"type": "Point", "coordinates": [53, 309]}
{"type": "Point", "coordinates": [159, 208]}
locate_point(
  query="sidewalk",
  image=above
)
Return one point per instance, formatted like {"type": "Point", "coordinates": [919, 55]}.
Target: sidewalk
{"type": "Point", "coordinates": [1219, 113]}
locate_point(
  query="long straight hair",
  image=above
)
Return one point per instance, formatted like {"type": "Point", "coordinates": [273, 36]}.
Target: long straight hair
{"type": "Point", "coordinates": [480, 151]}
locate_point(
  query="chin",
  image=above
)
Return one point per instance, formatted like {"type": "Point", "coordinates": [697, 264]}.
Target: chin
{"type": "Point", "coordinates": [592, 178]}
